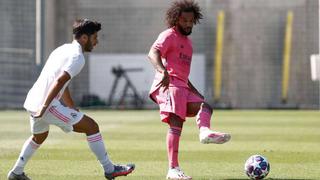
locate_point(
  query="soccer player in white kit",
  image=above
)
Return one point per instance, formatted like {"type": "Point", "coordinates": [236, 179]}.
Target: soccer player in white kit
{"type": "Point", "coordinates": [49, 102]}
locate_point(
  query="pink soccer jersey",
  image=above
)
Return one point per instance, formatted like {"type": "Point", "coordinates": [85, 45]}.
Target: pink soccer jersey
{"type": "Point", "coordinates": [176, 55]}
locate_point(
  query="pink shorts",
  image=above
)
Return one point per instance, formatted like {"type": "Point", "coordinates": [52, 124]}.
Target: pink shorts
{"type": "Point", "coordinates": [174, 100]}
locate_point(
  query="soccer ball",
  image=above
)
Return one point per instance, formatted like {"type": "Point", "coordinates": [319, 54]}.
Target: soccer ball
{"type": "Point", "coordinates": [257, 167]}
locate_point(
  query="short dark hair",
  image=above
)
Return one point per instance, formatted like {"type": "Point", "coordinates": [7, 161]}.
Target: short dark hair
{"type": "Point", "coordinates": [179, 6]}
{"type": "Point", "coordinates": [85, 26]}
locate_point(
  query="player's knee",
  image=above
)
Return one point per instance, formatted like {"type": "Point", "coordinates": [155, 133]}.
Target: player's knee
{"type": "Point", "coordinates": [207, 107]}
{"type": "Point", "coordinates": [175, 120]}
{"type": "Point", "coordinates": [40, 138]}
{"type": "Point", "coordinates": [93, 127]}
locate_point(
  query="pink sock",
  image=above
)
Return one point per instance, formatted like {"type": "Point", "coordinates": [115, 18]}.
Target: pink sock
{"type": "Point", "coordinates": [173, 138]}
{"type": "Point", "coordinates": [203, 117]}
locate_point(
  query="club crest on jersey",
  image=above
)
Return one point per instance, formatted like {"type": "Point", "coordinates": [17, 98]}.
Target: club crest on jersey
{"type": "Point", "coordinates": [74, 115]}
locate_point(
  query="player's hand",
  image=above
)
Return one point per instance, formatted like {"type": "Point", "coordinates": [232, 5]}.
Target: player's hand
{"type": "Point", "coordinates": [40, 113]}
{"type": "Point", "coordinates": [165, 80]}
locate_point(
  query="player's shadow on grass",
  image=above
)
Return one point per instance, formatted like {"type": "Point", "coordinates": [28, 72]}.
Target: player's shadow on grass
{"type": "Point", "coordinates": [268, 179]}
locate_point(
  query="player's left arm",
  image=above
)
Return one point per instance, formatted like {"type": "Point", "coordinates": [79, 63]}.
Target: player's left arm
{"type": "Point", "coordinates": [67, 99]}
{"type": "Point", "coordinates": [73, 67]}
{"type": "Point", "coordinates": [194, 90]}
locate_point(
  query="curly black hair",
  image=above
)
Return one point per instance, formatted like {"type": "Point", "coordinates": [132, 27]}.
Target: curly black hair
{"type": "Point", "coordinates": [85, 26]}
{"type": "Point", "coordinates": [180, 6]}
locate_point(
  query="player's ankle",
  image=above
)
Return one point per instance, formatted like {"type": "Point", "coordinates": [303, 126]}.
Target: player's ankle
{"type": "Point", "coordinates": [176, 167]}
{"type": "Point", "coordinates": [202, 128]}
{"type": "Point", "coordinates": [108, 168]}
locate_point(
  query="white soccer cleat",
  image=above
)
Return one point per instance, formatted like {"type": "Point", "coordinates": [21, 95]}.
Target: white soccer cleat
{"type": "Point", "coordinates": [207, 136]}
{"type": "Point", "coordinates": [177, 174]}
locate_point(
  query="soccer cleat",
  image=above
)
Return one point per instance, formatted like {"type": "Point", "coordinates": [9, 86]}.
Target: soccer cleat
{"type": "Point", "coordinates": [120, 170]}
{"type": "Point", "coordinates": [177, 174]}
{"type": "Point", "coordinates": [208, 136]}
{"type": "Point", "coordinates": [13, 176]}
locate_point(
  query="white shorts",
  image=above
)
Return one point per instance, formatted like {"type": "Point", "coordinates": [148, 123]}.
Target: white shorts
{"type": "Point", "coordinates": [56, 114]}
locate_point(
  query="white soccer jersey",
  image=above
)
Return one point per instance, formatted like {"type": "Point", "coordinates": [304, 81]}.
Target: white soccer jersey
{"type": "Point", "coordinates": [69, 58]}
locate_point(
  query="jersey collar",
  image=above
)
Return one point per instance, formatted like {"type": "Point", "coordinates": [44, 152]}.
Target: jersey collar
{"type": "Point", "coordinates": [75, 42]}
{"type": "Point", "coordinates": [175, 29]}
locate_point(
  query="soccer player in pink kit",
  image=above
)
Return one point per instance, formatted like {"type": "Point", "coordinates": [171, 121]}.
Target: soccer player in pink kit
{"type": "Point", "coordinates": [171, 56]}
{"type": "Point", "coordinates": [44, 104]}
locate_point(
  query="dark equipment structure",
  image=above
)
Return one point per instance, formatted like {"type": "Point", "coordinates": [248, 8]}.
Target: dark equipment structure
{"type": "Point", "coordinates": [127, 99]}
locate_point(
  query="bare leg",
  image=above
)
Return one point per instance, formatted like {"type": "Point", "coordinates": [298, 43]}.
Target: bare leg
{"type": "Point", "coordinates": [40, 138]}
{"type": "Point", "coordinates": [86, 125]}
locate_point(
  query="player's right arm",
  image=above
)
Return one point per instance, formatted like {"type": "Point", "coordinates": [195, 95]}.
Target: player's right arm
{"type": "Point", "coordinates": [67, 99]}
{"type": "Point", "coordinates": [158, 50]}
{"type": "Point", "coordinates": [155, 59]}
{"type": "Point", "coordinates": [53, 92]}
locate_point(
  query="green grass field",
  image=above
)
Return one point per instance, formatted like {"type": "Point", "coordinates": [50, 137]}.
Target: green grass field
{"type": "Point", "coordinates": [289, 139]}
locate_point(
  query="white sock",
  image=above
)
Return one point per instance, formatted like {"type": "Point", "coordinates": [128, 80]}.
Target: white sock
{"type": "Point", "coordinates": [97, 147]}
{"type": "Point", "coordinates": [204, 129]}
{"type": "Point", "coordinates": [29, 147]}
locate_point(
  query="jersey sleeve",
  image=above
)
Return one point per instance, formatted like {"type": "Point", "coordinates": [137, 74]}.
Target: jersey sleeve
{"type": "Point", "coordinates": [74, 65]}
{"type": "Point", "coordinates": [163, 43]}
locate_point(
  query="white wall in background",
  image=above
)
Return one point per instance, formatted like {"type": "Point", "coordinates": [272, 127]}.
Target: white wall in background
{"type": "Point", "coordinates": [101, 77]}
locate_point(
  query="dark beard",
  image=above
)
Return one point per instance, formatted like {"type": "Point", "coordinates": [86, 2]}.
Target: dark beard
{"type": "Point", "coordinates": [88, 46]}
{"type": "Point", "coordinates": [183, 32]}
